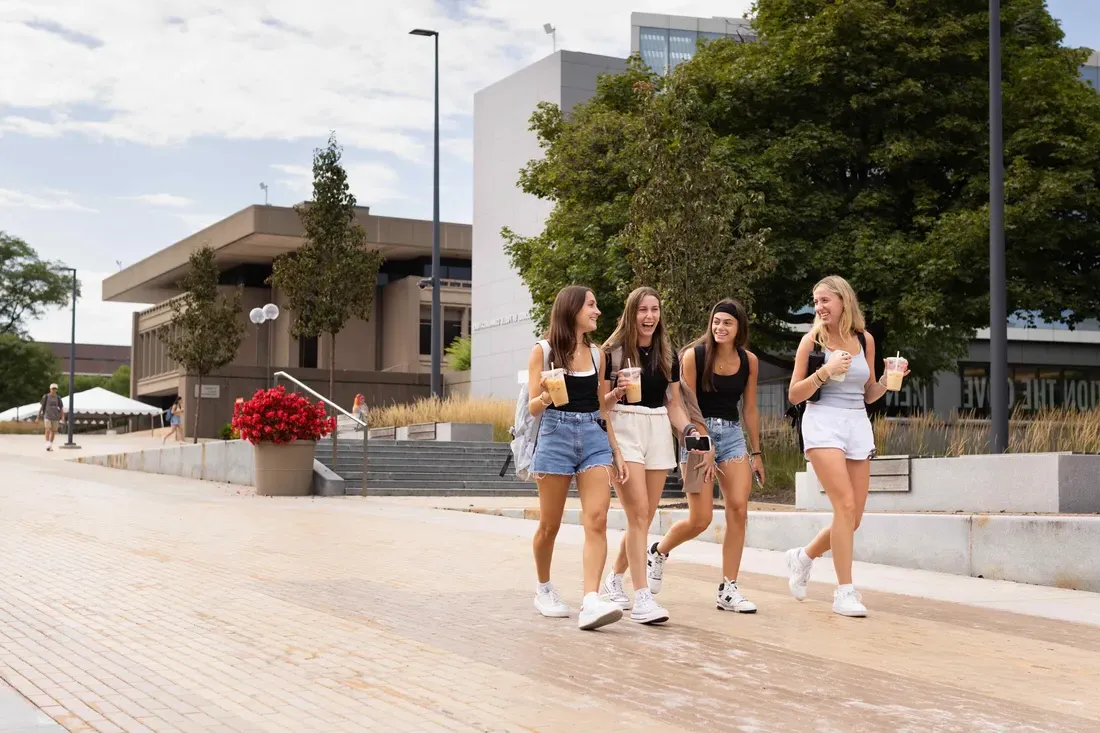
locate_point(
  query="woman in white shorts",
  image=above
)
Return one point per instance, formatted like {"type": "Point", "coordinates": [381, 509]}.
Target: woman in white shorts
{"type": "Point", "coordinates": [644, 433]}
{"type": "Point", "coordinates": [836, 431]}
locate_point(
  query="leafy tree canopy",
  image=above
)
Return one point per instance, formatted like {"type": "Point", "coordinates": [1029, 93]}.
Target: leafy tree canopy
{"type": "Point", "coordinates": [29, 285]}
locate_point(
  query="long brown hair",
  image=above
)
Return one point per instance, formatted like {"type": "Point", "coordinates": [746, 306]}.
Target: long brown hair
{"type": "Point", "coordinates": [562, 333]}
{"type": "Point", "coordinates": [625, 336]}
{"type": "Point", "coordinates": [711, 346]}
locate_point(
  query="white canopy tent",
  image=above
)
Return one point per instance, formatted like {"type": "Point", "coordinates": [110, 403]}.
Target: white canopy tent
{"type": "Point", "coordinates": [94, 402]}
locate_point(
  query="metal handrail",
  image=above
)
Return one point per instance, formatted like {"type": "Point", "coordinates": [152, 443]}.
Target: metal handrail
{"type": "Point", "coordinates": [318, 396]}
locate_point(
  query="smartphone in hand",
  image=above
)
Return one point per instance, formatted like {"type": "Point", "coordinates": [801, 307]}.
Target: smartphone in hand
{"type": "Point", "coordinates": [697, 443]}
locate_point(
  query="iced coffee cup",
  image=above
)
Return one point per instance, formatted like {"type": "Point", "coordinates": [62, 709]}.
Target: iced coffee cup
{"type": "Point", "coordinates": [555, 385]}
{"type": "Point", "coordinates": [839, 376]}
{"type": "Point", "coordinates": [631, 378]}
{"type": "Point", "coordinates": [895, 372]}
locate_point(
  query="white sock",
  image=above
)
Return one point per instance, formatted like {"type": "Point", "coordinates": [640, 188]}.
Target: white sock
{"type": "Point", "coordinates": [640, 592]}
{"type": "Point", "coordinates": [803, 557]}
{"type": "Point", "coordinates": [848, 588]}
{"type": "Point", "coordinates": [542, 587]}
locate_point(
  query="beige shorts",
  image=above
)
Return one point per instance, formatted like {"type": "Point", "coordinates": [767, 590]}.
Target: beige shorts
{"type": "Point", "coordinates": [51, 425]}
{"type": "Point", "coordinates": [644, 435]}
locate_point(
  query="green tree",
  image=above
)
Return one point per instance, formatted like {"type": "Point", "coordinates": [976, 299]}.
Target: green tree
{"type": "Point", "coordinates": [691, 233]}
{"type": "Point", "coordinates": [589, 170]}
{"type": "Point", "coordinates": [207, 327]}
{"type": "Point", "coordinates": [119, 382]}
{"type": "Point", "coordinates": [332, 277]}
{"type": "Point", "coordinates": [859, 132]}
{"type": "Point", "coordinates": [29, 286]}
{"type": "Point", "coordinates": [459, 354]}
{"type": "Point", "coordinates": [26, 370]}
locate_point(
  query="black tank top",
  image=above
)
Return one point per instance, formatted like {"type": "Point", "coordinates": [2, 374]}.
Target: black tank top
{"type": "Point", "coordinates": [584, 392]}
{"type": "Point", "coordinates": [721, 402]}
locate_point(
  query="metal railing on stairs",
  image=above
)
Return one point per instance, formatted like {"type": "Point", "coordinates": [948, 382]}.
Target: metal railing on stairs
{"type": "Point", "coordinates": [330, 403]}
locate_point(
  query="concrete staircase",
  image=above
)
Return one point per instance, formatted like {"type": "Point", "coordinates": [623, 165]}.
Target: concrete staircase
{"type": "Point", "coordinates": [424, 468]}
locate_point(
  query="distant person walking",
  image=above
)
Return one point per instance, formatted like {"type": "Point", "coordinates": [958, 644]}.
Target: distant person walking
{"type": "Point", "coordinates": [53, 410]}
{"type": "Point", "coordinates": [176, 417]}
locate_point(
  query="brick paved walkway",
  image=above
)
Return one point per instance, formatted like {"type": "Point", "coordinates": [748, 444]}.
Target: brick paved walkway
{"type": "Point", "coordinates": [134, 602]}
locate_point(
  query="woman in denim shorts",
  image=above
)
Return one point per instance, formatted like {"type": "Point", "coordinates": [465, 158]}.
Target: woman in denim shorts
{"type": "Point", "coordinates": [575, 439]}
{"type": "Point", "coordinates": [717, 374]}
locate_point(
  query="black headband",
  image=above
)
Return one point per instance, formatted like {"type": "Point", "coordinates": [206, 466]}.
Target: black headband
{"type": "Point", "coordinates": [728, 308]}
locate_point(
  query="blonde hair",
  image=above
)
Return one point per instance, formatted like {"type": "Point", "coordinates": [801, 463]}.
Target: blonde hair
{"type": "Point", "coordinates": [851, 320]}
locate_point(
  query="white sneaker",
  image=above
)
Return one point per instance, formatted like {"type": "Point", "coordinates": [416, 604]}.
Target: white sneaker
{"type": "Point", "coordinates": [550, 604]}
{"type": "Point", "coordinates": [654, 568]}
{"type": "Point", "coordinates": [646, 610]}
{"type": "Point", "coordinates": [596, 613]}
{"type": "Point", "coordinates": [612, 589]}
{"type": "Point", "coordinates": [848, 603]}
{"type": "Point", "coordinates": [800, 573]}
{"type": "Point", "coordinates": [730, 598]}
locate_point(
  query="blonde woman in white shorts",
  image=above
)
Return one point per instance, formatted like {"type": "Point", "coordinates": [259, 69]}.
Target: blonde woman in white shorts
{"type": "Point", "coordinates": [839, 442]}
{"type": "Point", "coordinates": [644, 433]}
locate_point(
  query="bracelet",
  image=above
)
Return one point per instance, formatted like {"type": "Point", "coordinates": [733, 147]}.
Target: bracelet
{"type": "Point", "coordinates": [689, 429]}
{"type": "Point", "coordinates": [542, 399]}
{"type": "Point", "coordinates": [756, 453]}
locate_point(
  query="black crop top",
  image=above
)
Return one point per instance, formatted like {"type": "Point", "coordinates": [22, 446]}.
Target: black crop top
{"type": "Point", "coordinates": [584, 392]}
{"type": "Point", "coordinates": [654, 383]}
{"type": "Point", "coordinates": [721, 402]}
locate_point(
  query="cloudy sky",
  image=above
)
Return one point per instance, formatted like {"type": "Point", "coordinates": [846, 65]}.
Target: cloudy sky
{"type": "Point", "coordinates": [125, 126]}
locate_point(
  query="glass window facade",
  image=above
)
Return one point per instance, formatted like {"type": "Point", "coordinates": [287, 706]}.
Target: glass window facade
{"type": "Point", "coordinates": [681, 47]}
{"type": "Point", "coordinates": [663, 49]}
{"type": "Point", "coordinates": [653, 47]}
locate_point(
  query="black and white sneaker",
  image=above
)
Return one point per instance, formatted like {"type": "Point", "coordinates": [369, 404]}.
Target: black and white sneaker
{"type": "Point", "coordinates": [730, 598]}
{"type": "Point", "coordinates": [654, 568]}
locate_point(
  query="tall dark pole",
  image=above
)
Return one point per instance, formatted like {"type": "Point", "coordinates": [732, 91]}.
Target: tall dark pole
{"type": "Point", "coordinates": [437, 316]}
{"type": "Point", "coordinates": [998, 300]}
{"type": "Point", "coordinates": [72, 367]}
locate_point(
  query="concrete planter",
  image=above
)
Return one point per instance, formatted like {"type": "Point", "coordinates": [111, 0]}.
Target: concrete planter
{"type": "Point", "coordinates": [1049, 483]}
{"type": "Point", "coordinates": [285, 469]}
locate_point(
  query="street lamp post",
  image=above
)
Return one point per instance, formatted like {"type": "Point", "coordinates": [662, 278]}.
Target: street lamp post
{"type": "Point", "coordinates": [437, 316]}
{"type": "Point", "coordinates": [72, 365]}
{"type": "Point", "coordinates": [998, 300]}
{"type": "Point", "coordinates": [259, 316]}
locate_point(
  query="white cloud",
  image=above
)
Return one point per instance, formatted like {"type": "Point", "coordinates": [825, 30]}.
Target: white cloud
{"type": "Point", "coordinates": [97, 322]}
{"type": "Point", "coordinates": [167, 71]}
{"type": "Point", "coordinates": [166, 200]}
{"type": "Point", "coordinates": [49, 199]}
{"type": "Point", "coordinates": [371, 182]}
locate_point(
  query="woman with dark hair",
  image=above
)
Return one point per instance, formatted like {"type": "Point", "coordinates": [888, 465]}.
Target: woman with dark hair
{"type": "Point", "coordinates": [575, 439]}
{"type": "Point", "coordinates": [643, 429]}
{"type": "Point", "coordinates": [718, 374]}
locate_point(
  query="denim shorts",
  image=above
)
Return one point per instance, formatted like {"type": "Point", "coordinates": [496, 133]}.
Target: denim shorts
{"type": "Point", "coordinates": [570, 443]}
{"type": "Point", "coordinates": [727, 438]}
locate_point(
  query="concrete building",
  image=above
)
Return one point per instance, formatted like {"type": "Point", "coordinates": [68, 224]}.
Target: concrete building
{"type": "Point", "coordinates": [1049, 365]}
{"type": "Point", "coordinates": [100, 360]}
{"type": "Point", "coordinates": [386, 358]}
{"type": "Point", "coordinates": [503, 144]}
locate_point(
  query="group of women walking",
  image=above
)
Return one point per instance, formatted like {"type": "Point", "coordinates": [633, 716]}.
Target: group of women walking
{"type": "Point", "coordinates": [706, 396]}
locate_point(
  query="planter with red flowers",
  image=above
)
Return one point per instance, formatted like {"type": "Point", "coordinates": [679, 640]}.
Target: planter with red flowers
{"type": "Point", "coordinates": [283, 428]}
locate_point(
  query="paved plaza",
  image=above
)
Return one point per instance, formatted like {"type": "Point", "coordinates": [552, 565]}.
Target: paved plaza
{"type": "Point", "coordinates": [134, 602]}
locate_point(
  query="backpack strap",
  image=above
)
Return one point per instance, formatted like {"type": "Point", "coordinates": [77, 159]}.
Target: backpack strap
{"type": "Point", "coordinates": [616, 357]}
{"type": "Point", "coordinates": [545, 354]}
{"type": "Point", "coordinates": [700, 362]}
{"type": "Point", "coordinates": [597, 362]}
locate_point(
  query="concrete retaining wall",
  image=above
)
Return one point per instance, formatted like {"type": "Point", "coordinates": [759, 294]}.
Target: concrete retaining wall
{"type": "Point", "coordinates": [1043, 550]}
{"type": "Point", "coordinates": [225, 461]}
{"type": "Point", "coordinates": [1016, 482]}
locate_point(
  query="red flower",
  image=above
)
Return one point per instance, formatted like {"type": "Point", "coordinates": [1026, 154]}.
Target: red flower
{"type": "Point", "coordinates": [279, 417]}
